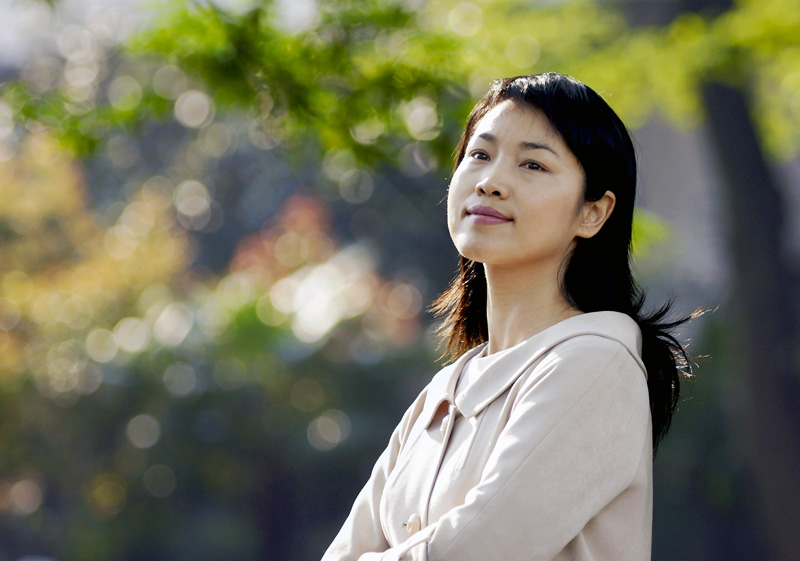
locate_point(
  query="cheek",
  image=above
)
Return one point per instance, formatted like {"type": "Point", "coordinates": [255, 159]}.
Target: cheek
{"type": "Point", "coordinates": [455, 195]}
{"type": "Point", "coordinates": [451, 209]}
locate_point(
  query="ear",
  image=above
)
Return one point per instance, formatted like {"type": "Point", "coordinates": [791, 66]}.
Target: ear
{"type": "Point", "coordinates": [594, 215]}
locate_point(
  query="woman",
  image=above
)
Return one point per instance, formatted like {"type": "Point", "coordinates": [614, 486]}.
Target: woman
{"type": "Point", "coordinates": [537, 442]}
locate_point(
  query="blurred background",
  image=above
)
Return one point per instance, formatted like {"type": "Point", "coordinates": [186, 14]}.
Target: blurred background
{"type": "Point", "coordinates": [221, 224]}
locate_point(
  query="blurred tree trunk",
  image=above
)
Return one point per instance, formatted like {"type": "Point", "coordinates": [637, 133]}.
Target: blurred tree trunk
{"type": "Point", "coordinates": [766, 331]}
{"type": "Point", "coordinates": [765, 290]}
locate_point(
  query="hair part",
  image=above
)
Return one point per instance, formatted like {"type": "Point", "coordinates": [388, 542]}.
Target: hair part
{"type": "Point", "coordinates": [596, 275]}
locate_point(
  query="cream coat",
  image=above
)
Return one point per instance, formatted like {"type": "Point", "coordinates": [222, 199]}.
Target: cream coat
{"type": "Point", "coordinates": [546, 456]}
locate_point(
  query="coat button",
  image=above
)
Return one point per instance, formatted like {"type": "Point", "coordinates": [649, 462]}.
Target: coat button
{"type": "Point", "coordinates": [445, 421]}
{"type": "Point", "coordinates": [413, 525]}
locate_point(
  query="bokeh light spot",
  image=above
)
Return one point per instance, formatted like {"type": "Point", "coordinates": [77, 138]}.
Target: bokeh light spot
{"type": "Point", "coordinates": [265, 133]}
{"type": "Point", "coordinates": [328, 430]}
{"type": "Point", "coordinates": [143, 431]}
{"type": "Point", "coordinates": [282, 294]}
{"type": "Point", "coordinates": [76, 312]}
{"type": "Point", "coordinates": [103, 23]}
{"type": "Point", "coordinates": [173, 324]}
{"type": "Point", "coordinates": [336, 163]}
{"type": "Point", "coordinates": [218, 140]}
{"type": "Point", "coordinates": [404, 301]}
{"type": "Point", "coordinates": [101, 344]}
{"type": "Point", "coordinates": [132, 334]}
{"type": "Point", "coordinates": [25, 497]}
{"type": "Point", "coordinates": [65, 364]}
{"type": "Point", "coordinates": [367, 132]}
{"type": "Point", "coordinates": [120, 242]}
{"type": "Point", "coordinates": [180, 379]}
{"type": "Point", "coordinates": [74, 40]}
{"type": "Point", "coordinates": [193, 201]}
{"type": "Point", "coordinates": [159, 480]}
{"type": "Point", "coordinates": [89, 379]}
{"type": "Point", "coordinates": [356, 186]}
{"type": "Point", "coordinates": [125, 93]}
{"type": "Point", "coordinates": [267, 313]}
{"type": "Point", "coordinates": [421, 118]}
{"type": "Point", "coordinates": [415, 160]}
{"type": "Point", "coordinates": [296, 16]}
{"type": "Point", "coordinates": [193, 109]}
{"type": "Point", "coordinates": [81, 71]}
{"type": "Point", "coordinates": [465, 20]}
{"type": "Point", "coordinates": [169, 82]}
{"type": "Point", "coordinates": [107, 495]}
{"type": "Point", "coordinates": [192, 198]}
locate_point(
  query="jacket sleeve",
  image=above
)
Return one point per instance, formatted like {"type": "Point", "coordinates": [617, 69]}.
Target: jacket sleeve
{"type": "Point", "coordinates": [575, 439]}
{"type": "Point", "coordinates": [361, 538]}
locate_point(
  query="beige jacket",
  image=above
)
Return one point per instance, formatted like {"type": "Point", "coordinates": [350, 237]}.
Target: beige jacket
{"type": "Point", "coordinates": [546, 456]}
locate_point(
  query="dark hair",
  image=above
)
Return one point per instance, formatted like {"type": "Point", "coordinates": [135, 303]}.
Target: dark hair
{"type": "Point", "coordinates": [597, 274]}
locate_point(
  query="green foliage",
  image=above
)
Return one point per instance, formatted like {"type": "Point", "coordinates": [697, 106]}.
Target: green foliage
{"type": "Point", "coordinates": [344, 78]}
{"type": "Point", "coordinates": [649, 231]}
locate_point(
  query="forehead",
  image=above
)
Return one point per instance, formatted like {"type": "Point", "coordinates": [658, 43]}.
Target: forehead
{"type": "Point", "coordinates": [511, 118]}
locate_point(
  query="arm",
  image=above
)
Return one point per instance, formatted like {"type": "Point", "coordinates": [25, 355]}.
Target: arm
{"type": "Point", "coordinates": [574, 441]}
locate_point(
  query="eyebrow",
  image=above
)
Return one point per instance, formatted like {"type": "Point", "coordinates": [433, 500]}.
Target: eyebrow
{"type": "Point", "coordinates": [526, 145]}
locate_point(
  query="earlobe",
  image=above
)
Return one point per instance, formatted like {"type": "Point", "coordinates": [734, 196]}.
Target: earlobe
{"type": "Point", "coordinates": [595, 214]}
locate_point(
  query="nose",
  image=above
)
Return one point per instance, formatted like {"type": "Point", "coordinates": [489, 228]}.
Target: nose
{"type": "Point", "coordinates": [492, 184]}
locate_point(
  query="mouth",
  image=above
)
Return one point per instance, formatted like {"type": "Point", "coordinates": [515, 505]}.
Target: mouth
{"type": "Point", "coordinates": [487, 215]}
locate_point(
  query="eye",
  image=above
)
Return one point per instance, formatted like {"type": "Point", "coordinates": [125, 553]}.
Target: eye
{"type": "Point", "coordinates": [533, 166]}
{"type": "Point", "coordinates": [479, 155]}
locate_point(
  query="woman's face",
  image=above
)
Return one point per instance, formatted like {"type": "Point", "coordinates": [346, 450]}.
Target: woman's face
{"type": "Point", "coordinates": [516, 197]}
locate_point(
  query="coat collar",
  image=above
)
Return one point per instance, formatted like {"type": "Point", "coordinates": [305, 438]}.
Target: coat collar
{"type": "Point", "coordinates": [509, 367]}
{"type": "Point", "coordinates": [443, 386]}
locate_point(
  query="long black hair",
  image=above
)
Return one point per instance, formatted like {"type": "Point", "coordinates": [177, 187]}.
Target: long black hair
{"type": "Point", "coordinates": [597, 274]}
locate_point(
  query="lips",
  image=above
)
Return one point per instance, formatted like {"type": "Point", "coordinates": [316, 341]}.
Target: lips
{"type": "Point", "coordinates": [487, 215]}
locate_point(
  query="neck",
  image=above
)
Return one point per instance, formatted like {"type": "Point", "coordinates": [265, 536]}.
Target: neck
{"type": "Point", "coordinates": [520, 303]}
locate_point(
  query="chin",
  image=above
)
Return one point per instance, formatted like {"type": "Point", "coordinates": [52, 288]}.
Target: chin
{"type": "Point", "coordinates": [482, 253]}
{"type": "Point", "coordinates": [473, 255]}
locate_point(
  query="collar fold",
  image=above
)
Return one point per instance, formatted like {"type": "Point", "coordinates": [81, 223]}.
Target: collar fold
{"type": "Point", "coordinates": [509, 367]}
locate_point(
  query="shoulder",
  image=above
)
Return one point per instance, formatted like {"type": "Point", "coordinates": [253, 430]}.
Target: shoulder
{"type": "Point", "coordinates": [594, 338]}
{"type": "Point", "coordinates": [594, 356]}
{"type": "Point", "coordinates": [593, 350]}
{"type": "Point", "coordinates": [596, 363]}
{"type": "Point", "coordinates": [594, 379]}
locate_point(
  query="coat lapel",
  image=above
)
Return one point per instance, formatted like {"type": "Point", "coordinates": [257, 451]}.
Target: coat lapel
{"type": "Point", "coordinates": [440, 389]}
